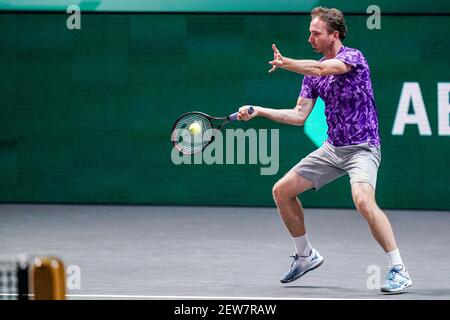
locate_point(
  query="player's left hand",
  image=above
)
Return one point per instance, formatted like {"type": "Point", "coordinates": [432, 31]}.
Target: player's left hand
{"type": "Point", "coordinates": [277, 61]}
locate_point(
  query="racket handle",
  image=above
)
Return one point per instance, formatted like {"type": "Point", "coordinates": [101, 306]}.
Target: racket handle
{"type": "Point", "coordinates": [233, 117]}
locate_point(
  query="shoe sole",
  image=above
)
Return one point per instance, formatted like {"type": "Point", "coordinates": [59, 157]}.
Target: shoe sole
{"type": "Point", "coordinates": [383, 290]}
{"type": "Point", "coordinates": [302, 274]}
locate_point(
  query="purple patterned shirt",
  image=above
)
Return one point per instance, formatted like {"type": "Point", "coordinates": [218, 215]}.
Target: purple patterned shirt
{"type": "Point", "coordinates": [349, 103]}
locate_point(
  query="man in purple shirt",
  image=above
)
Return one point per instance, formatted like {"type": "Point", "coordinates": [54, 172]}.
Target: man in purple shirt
{"type": "Point", "coordinates": [342, 79]}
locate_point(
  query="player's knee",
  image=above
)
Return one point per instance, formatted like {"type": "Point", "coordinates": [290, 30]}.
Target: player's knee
{"type": "Point", "coordinates": [276, 191]}
{"type": "Point", "coordinates": [279, 193]}
{"type": "Point", "coordinates": [364, 205]}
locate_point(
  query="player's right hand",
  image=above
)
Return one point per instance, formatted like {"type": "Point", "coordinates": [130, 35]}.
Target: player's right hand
{"type": "Point", "coordinates": [244, 115]}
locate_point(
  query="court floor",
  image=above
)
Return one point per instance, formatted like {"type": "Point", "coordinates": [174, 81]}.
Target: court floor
{"type": "Point", "coordinates": [170, 252]}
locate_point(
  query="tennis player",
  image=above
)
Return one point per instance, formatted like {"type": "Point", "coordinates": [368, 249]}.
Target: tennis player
{"type": "Point", "coordinates": [342, 79]}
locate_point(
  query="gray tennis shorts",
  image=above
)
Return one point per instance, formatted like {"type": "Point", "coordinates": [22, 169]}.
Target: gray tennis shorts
{"type": "Point", "coordinates": [360, 161]}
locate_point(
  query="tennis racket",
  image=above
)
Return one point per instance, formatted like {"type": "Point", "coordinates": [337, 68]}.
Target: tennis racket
{"type": "Point", "coordinates": [193, 131]}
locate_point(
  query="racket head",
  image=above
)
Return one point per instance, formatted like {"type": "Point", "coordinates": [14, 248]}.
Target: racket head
{"type": "Point", "coordinates": [186, 142]}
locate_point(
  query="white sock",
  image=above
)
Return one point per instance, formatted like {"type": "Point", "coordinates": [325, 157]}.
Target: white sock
{"type": "Point", "coordinates": [302, 246]}
{"type": "Point", "coordinates": [394, 257]}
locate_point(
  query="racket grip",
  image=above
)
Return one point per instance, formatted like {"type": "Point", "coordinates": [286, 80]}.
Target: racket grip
{"type": "Point", "coordinates": [233, 117]}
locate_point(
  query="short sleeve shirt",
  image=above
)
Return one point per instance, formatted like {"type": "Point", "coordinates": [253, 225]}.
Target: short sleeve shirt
{"type": "Point", "coordinates": [349, 101]}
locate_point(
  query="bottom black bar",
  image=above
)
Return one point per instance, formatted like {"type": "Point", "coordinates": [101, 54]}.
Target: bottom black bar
{"type": "Point", "coordinates": [232, 309]}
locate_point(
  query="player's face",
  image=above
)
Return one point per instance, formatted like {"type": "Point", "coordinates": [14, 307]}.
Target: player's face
{"type": "Point", "coordinates": [319, 38]}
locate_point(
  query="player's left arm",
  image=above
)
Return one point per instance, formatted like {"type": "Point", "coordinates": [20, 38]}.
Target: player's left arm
{"type": "Point", "coordinates": [308, 67]}
{"type": "Point", "coordinates": [316, 68]}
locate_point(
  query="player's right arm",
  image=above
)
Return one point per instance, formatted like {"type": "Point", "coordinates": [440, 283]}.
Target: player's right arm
{"type": "Point", "coordinates": [296, 116]}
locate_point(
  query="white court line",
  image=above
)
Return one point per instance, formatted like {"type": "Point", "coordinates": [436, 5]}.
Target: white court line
{"type": "Point", "coordinates": [123, 296]}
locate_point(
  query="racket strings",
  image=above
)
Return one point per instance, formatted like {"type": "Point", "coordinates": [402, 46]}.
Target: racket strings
{"type": "Point", "coordinates": [187, 142]}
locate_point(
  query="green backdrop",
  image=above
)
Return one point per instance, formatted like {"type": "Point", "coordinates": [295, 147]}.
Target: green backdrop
{"type": "Point", "coordinates": [86, 114]}
{"type": "Point", "coordinates": [348, 6]}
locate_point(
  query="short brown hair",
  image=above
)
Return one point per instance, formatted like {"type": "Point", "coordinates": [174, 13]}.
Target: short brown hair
{"type": "Point", "coordinates": [333, 18]}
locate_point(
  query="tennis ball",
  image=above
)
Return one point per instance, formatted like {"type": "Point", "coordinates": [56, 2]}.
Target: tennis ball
{"type": "Point", "coordinates": [195, 128]}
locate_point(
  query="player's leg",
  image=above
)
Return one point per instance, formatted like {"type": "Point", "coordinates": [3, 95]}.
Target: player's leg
{"type": "Point", "coordinates": [364, 198]}
{"type": "Point", "coordinates": [285, 193]}
{"type": "Point", "coordinates": [362, 165]}
{"type": "Point", "coordinates": [315, 171]}
{"type": "Point", "coordinates": [398, 277]}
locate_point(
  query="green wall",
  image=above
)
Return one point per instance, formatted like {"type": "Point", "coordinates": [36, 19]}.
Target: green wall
{"type": "Point", "coordinates": [348, 6]}
{"type": "Point", "coordinates": [86, 114]}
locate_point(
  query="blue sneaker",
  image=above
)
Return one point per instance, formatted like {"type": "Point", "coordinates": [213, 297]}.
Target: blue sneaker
{"type": "Point", "coordinates": [301, 265]}
{"type": "Point", "coordinates": [397, 280]}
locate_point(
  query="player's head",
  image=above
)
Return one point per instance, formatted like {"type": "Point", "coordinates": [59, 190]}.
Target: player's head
{"type": "Point", "coordinates": [327, 26]}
